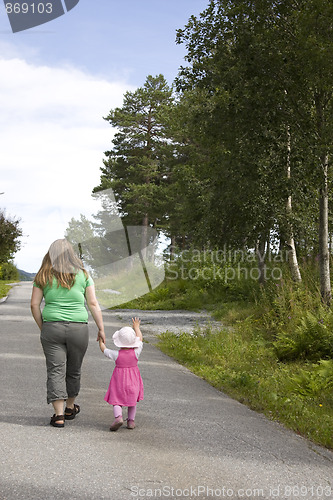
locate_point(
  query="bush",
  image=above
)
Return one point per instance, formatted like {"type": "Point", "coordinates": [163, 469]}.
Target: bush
{"type": "Point", "coordinates": [8, 272]}
{"type": "Point", "coordinates": [312, 340]}
{"type": "Point", "coordinates": [314, 382]}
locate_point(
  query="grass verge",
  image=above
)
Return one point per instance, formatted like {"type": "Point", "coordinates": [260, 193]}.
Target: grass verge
{"type": "Point", "coordinates": [4, 288]}
{"type": "Point", "coordinates": [242, 364]}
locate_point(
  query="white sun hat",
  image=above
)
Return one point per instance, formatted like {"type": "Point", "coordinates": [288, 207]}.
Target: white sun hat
{"type": "Point", "coordinates": [126, 337]}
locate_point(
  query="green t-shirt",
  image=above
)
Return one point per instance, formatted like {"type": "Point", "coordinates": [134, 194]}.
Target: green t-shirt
{"type": "Point", "coordinates": [62, 304]}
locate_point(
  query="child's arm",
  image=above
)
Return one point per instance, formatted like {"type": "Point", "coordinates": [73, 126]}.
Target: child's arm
{"type": "Point", "coordinates": [102, 346]}
{"type": "Point", "coordinates": [136, 327]}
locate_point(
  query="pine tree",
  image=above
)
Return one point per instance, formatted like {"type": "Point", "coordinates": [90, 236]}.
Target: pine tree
{"type": "Point", "coordinates": [137, 167]}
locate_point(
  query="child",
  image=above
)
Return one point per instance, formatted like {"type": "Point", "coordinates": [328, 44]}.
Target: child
{"type": "Point", "coordinates": [126, 386]}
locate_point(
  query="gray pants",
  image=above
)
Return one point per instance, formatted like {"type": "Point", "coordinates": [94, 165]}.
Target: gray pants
{"type": "Point", "coordinates": [64, 344]}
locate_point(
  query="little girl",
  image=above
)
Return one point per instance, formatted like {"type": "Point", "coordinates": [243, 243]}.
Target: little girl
{"type": "Point", "coordinates": [126, 386]}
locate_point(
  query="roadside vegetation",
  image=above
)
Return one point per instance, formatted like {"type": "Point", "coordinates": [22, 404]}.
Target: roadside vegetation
{"type": "Point", "coordinates": [8, 274]}
{"type": "Point", "coordinates": [4, 288]}
{"type": "Point", "coordinates": [274, 350]}
{"type": "Point", "coordinates": [10, 234]}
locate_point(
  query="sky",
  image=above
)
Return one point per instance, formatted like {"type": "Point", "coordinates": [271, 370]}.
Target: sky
{"type": "Point", "coordinates": [58, 81]}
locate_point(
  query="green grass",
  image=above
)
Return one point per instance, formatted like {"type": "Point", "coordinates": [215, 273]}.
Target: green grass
{"type": "Point", "coordinates": [246, 367]}
{"type": "Point", "coordinates": [187, 295]}
{"type": "Point", "coordinates": [4, 288]}
{"type": "Point", "coordinates": [171, 295]}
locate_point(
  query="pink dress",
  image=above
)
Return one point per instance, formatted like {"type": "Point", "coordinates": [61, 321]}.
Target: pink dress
{"type": "Point", "coordinates": [126, 386]}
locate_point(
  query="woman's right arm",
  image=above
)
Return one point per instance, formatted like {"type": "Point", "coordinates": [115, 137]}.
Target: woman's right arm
{"type": "Point", "coordinates": [36, 300]}
{"type": "Point", "coordinates": [95, 310]}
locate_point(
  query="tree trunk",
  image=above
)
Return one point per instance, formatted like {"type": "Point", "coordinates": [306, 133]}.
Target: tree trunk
{"type": "Point", "coordinates": [292, 256]}
{"type": "Point", "coordinates": [260, 251]}
{"type": "Point", "coordinates": [144, 236]}
{"type": "Point", "coordinates": [172, 247]}
{"type": "Point", "coordinates": [324, 258]}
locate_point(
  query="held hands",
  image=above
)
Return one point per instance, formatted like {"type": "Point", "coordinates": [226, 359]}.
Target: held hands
{"type": "Point", "coordinates": [102, 346]}
{"type": "Point", "coordinates": [100, 335]}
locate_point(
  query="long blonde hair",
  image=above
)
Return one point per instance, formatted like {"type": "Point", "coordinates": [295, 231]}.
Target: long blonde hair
{"type": "Point", "coordinates": [61, 263]}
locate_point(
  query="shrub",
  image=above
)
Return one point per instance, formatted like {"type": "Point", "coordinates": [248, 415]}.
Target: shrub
{"type": "Point", "coordinates": [8, 272]}
{"type": "Point", "coordinates": [311, 340]}
{"type": "Point", "coordinates": [313, 382]}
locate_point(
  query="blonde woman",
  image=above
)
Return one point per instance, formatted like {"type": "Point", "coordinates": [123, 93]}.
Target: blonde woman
{"type": "Point", "coordinates": [65, 285]}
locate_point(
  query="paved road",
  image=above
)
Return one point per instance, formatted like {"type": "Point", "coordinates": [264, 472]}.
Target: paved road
{"type": "Point", "coordinates": [191, 440]}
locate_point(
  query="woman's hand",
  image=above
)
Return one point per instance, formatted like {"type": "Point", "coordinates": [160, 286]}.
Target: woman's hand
{"type": "Point", "coordinates": [101, 336]}
{"type": "Point", "coordinates": [102, 346]}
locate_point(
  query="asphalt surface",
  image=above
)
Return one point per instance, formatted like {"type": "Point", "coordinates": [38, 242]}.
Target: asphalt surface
{"type": "Point", "coordinates": [191, 441]}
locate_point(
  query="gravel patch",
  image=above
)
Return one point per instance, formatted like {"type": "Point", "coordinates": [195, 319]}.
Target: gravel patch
{"type": "Point", "coordinates": [155, 322]}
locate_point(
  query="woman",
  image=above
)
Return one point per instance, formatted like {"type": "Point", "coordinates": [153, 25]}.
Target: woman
{"type": "Point", "coordinates": [64, 284]}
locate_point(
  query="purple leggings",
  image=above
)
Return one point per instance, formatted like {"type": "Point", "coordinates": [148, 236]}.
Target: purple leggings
{"type": "Point", "coordinates": [118, 411]}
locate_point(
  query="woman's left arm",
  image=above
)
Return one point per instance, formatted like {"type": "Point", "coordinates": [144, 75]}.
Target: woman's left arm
{"type": "Point", "coordinates": [95, 311]}
{"type": "Point", "coordinates": [36, 300]}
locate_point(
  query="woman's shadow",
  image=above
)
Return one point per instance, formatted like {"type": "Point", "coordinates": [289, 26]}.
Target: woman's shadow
{"type": "Point", "coordinates": [44, 421]}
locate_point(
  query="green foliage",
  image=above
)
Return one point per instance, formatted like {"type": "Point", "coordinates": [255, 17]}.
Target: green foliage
{"type": "Point", "coordinates": [315, 381]}
{"type": "Point", "coordinates": [8, 272]}
{"type": "Point", "coordinates": [137, 167]}
{"type": "Point", "coordinates": [170, 295]}
{"type": "Point", "coordinates": [242, 363]}
{"type": "Point", "coordinates": [201, 280]}
{"type": "Point", "coordinates": [4, 287]}
{"type": "Point", "coordinates": [256, 100]}
{"type": "Point", "coordinates": [10, 234]}
{"type": "Point", "coordinates": [283, 302]}
{"type": "Point", "coordinates": [312, 339]}
{"type": "Point", "coordinates": [217, 272]}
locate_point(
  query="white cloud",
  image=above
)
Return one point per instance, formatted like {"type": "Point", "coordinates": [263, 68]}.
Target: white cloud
{"type": "Point", "coordinates": [52, 137]}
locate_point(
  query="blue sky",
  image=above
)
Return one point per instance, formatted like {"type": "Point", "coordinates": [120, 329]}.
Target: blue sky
{"type": "Point", "coordinates": [57, 82]}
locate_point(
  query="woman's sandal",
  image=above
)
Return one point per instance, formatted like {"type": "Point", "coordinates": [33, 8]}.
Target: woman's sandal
{"type": "Point", "coordinates": [70, 413]}
{"type": "Point", "coordinates": [56, 419]}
